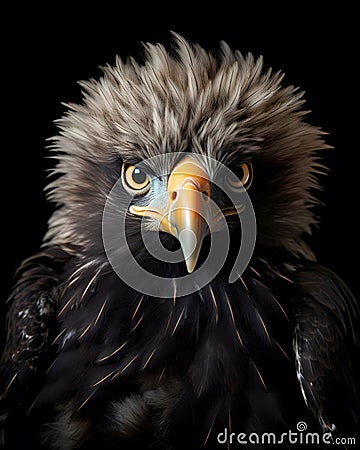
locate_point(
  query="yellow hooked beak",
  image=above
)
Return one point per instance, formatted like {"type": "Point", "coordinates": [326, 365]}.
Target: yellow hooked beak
{"type": "Point", "coordinates": [185, 213]}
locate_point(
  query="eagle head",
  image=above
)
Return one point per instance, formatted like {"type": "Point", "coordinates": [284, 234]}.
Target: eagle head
{"type": "Point", "coordinates": [160, 130]}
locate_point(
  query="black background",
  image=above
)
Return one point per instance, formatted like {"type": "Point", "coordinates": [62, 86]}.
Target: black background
{"type": "Point", "coordinates": [44, 54]}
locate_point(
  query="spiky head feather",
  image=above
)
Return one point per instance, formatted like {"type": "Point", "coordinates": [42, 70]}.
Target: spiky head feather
{"type": "Point", "coordinates": [224, 106]}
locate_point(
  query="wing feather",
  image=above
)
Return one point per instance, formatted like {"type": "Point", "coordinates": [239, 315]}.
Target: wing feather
{"type": "Point", "coordinates": [30, 330]}
{"type": "Point", "coordinates": [326, 347]}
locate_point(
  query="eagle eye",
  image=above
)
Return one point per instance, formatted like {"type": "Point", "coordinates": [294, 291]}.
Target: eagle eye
{"type": "Point", "coordinates": [241, 179]}
{"type": "Point", "coordinates": [135, 179]}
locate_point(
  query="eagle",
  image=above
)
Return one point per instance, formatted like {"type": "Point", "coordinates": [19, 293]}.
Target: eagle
{"type": "Point", "coordinates": [176, 302]}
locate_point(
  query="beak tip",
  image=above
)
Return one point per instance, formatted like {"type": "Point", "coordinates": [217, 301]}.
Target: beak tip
{"type": "Point", "coordinates": [190, 265]}
{"type": "Point", "coordinates": [190, 248]}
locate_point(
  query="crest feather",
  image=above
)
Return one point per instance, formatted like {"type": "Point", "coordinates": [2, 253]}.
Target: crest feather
{"type": "Point", "coordinates": [223, 105]}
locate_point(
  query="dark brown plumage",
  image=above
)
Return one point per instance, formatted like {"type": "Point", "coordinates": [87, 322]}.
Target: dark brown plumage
{"type": "Point", "coordinates": [91, 362]}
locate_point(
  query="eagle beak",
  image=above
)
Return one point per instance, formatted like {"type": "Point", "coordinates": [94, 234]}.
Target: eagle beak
{"type": "Point", "coordinates": [185, 214]}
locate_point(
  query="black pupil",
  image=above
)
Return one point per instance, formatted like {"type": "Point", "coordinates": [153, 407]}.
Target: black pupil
{"type": "Point", "coordinates": [139, 176]}
{"type": "Point", "coordinates": [240, 174]}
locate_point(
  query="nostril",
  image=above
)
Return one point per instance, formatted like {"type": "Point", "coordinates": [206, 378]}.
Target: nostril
{"type": "Point", "coordinates": [205, 193]}
{"type": "Point", "coordinates": [173, 195]}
